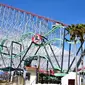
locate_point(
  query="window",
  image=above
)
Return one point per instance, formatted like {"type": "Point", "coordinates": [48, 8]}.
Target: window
{"type": "Point", "coordinates": [28, 76]}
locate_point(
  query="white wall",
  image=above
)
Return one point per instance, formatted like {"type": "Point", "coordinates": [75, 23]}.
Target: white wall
{"type": "Point", "coordinates": [71, 75]}
{"type": "Point", "coordinates": [33, 78]}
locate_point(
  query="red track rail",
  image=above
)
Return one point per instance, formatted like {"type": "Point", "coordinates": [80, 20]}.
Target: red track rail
{"type": "Point", "coordinates": [47, 19]}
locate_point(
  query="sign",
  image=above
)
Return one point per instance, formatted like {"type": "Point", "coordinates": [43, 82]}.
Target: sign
{"type": "Point", "coordinates": [37, 39]}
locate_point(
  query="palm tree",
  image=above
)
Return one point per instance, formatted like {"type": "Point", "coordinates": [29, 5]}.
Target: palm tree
{"type": "Point", "coordinates": [76, 30]}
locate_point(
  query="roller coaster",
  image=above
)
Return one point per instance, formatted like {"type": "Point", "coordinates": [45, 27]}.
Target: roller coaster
{"type": "Point", "coordinates": [27, 39]}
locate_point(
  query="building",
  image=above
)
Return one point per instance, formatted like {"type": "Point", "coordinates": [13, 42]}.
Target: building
{"type": "Point", "coordinates": [71, 78]}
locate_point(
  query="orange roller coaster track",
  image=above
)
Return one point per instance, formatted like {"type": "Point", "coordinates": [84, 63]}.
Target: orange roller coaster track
{"type": "Point", "coordinates": [41, 17]}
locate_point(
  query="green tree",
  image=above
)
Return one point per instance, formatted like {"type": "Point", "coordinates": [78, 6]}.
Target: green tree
{"type": "Point", "coordinates": [76, 30]}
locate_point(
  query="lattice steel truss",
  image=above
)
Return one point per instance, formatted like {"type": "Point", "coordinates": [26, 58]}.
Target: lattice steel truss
{"type": "Point", "coordinates": [19, 26]}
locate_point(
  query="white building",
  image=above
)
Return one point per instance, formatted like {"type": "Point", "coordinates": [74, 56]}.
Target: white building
{"type": "Point", "coordinates": [70, 79]}
{"type": "Point", "coordinates": [31, 80]}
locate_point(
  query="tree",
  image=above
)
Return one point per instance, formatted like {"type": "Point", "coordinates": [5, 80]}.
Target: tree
{"type": "Point", "coordinates": [76, 30]}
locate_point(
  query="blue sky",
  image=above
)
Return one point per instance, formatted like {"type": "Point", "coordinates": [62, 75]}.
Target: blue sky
{"type": "Point", "coordinates": [66, 11]}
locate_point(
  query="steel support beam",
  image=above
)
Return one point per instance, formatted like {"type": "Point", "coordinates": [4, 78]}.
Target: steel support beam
{"type": "Point", "coordinates": [79, 61]}
{"type": "Point", "coordinates": [48, 56]}
{"type": "Point", "coordinates": [69, 55]}
{"type": "Point", "coordinates": [62, 52]}
{"type": "Point", "coordinates": [75, 57]}
{"type": "Point", "coordinates": [24, 55]}
{"type": "Point", "coordinates": [54, 56]}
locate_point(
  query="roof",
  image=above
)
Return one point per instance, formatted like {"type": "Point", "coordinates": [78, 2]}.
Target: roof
{"type": "Point", "coordinates": [30, 68]}
{"type": "Point", "coordinates": [51, 72]}
{"type": "Point", "coordinates": [83, 68]}
{"type": "Point", "coordinates": [60, 74]}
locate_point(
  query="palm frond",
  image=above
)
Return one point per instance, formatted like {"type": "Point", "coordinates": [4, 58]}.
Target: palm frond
{"type": "Point", "coordinates": [76, 30]}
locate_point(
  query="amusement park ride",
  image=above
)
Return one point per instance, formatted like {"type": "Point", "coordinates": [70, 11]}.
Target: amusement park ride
{"type": "Point", "coordinates": [26, 37]}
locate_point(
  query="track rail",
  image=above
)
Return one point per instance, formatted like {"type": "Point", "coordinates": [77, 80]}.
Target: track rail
{"type": "Point", "coordinates": [41, 17]}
